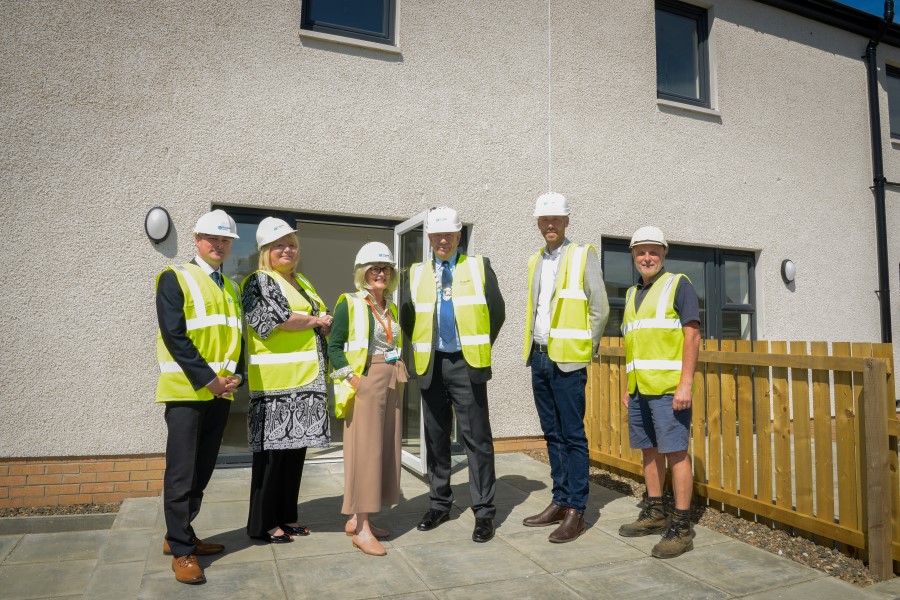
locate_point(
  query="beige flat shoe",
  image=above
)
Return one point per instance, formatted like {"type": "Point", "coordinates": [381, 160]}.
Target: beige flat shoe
{"type": "Point", "coordinates": [370, 546]}
{"type": "Point", "coordinates": [350, 529]}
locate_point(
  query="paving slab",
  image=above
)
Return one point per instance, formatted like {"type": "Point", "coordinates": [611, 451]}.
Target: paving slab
{"type": "Point", "coordinates": [823, 588]}
{"type": "Point", "coordinates": [886, 589]}
{"type": "Point", "coordinates": [116, 581]}
{"type": "Point", "coordinates": [535, 587]}
{"type": "Point", "coordinates": [415, 596]}
{"type": "Point", "coordinates": [45, 580]}
{"type": "Point", "coordinates": [451, 564]}
{"type": "Point", "coordinates": [137, 513]}
{"type": "Point", "coordinates": [221, 515]}
{"type": "Point", "coordinates": [56, 547]}
{"type": "Point", "coordinates": [259, 581]}
{"type": "Point", "coordinates": [321, 485]}
{"type": "Point", "coordinates": [404, 532]}
{"type": "Point", "coordinates": [7, 543]}
{"type": "Point", "coordinates": [317, 543]}
{"type": "Point", "coordinates": [740, 569]}
{"type": "Point", "coordinates": [349, 577]}
{"type": "Point", "coordinates": [594, 547]}
{"type": "Point", "coordinates": [637, 580]}
{"type": "Point", "coordinates": [130, 545]}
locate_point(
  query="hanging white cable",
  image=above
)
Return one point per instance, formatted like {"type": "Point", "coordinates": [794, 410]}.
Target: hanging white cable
{"type": "Point", "coordinates": [549, 113]}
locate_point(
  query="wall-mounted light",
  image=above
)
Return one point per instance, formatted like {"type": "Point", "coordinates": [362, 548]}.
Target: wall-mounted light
{"type": "Point", "coordinates": [157, 224]}
{"type": "Point", "coordinates": [788, 270]}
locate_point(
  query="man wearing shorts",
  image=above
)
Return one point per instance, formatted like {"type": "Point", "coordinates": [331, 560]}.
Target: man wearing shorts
{"type": "Point", "coordinates": [661, 326]}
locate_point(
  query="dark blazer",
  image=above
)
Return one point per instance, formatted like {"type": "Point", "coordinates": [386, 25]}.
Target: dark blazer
{"type": "Point", "coordinates": [173, 328]}
{"type": "Point", "coordinates": [496, 312]}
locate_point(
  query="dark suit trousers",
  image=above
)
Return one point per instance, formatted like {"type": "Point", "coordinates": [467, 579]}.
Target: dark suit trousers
{"type": "Point", "coordinates": [195, 434]}
{"type": "Point", "coordinates": [452, 390]}
{"type": "Point", "coordinates": [274, 488]}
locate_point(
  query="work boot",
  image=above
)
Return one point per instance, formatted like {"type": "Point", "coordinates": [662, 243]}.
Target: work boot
{"type": "Point", "coordinates": [676, 541]}
{"type": "Point", "coordinates": [652, 520]}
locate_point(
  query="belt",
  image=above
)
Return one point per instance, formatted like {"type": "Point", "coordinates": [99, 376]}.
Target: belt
{"type": "Point", "coordinates": [539, 347]}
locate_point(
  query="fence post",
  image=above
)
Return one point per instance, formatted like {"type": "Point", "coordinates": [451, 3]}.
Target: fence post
{"type": "Point", "coordinates": [878, 490]}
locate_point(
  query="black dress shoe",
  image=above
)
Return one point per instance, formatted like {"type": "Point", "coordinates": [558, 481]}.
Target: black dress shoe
{"type": "Point", "coordinates": [300, 530]}
{"type": "Point", "coordinates": [432, 519]}
{"type": "Point", "coordinates": [273, 539]}
{"type": "Point", "coordinates": [484, 530]}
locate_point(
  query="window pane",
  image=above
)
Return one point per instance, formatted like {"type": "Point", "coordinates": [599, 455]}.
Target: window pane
{"type": "Point", "coordinates": [677, 54]}
{"type": "Point", "coordinates": [892, 83]}
{"type": "Point", "coordinates": [737, 282]}
{"type": "Point", "coordinates": [614, 325]}
{"type": "Point", "coordinates": [696, 272]}
{"type": "Point", "coordinates": [618, 272]}
{"type": "Point", "coordinates": [361, 15]}
{"type": "Point", "coordinates": [736, 326]}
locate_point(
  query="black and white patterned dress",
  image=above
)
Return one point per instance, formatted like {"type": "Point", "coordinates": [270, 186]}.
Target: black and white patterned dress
{"type": "Point", "coordinates": [286, 419]}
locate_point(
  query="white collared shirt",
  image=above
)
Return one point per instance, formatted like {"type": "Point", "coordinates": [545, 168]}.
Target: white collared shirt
{"type": "Point", "coordinates": [549, 269]}
{"type": "Point", "coordinates": [206, 266]}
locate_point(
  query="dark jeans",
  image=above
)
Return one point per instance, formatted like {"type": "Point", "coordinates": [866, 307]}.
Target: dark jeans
{"type": "Point", "coordinates": [195, 434]}
{"type": "Point", "coordinates": [559, 398]}
{"type": "Point", "coordinates": [274, 487]}
{"type": "Point", "coordinates": [451, 391]}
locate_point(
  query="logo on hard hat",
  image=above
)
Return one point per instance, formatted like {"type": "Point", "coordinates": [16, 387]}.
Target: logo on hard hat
{"type": "Point", "coordinates": [225, 227]}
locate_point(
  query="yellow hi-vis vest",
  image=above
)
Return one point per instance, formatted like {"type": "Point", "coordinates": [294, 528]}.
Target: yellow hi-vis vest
{"type": "Point", "coordinates": [356, 348]}
{"type": "Point", "coordinates": [470, 308]}
{"type": "Point", "coordinates": [654, 338]}
{"type": "Point", "coordinates": [570, 338]}
{"type": "Point", "coordinates": [213, 320]}
{"type": "Point", "coordinates": [286, 359]}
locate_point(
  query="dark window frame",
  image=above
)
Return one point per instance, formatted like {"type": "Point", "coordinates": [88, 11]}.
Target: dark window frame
{"type": "Point", "coordinates": [714, 270]}
{"type": "Point", "coordinates": [894, 72]}
{"type": "Point", "coordinates": [701, 17]}
{"type": "Point", "coordinates": [387, 37]}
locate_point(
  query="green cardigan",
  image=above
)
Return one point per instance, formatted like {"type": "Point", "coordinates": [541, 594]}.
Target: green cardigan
{"type": "Point", "coordinates": [340, 328]}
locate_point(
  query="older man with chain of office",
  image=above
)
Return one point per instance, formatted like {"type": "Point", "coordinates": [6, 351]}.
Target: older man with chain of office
{"type": "Point", "coordinates": [661, 325]}
{"type": "Point", "coordinates": [566, 313]}
{"type": "Point", "coordinates": [453, 317]}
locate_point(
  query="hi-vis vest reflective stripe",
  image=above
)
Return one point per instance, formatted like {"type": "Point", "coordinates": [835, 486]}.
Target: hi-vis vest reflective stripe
{"type": "Point", "coordinates": [356, 348]}
{"type": "Point", "coordinates": [654, 338]}
{"type": "Point", "coordinates": [286, 359]}
{"type": "Point", "coordinates": [473, 322]}
{"type": "Point", "coordinates": [213, 319]}
{"type": "Point", "coordinates": [570, 328]}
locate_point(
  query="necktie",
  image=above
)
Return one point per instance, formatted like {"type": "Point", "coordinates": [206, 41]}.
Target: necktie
{"type": "Point", "coordinates": [447, 324]}
{"type": "Point", "coordinates": [217, 277]}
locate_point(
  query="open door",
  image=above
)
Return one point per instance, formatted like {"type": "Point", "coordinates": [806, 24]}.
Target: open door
{"type": "Point", "coordinates": [410, 246]}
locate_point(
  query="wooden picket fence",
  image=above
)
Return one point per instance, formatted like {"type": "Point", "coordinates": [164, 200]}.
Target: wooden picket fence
{"type": "Point", "coordinates": [785, 433]}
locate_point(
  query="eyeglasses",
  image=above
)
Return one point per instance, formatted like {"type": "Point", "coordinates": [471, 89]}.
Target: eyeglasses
{"type": "Point", "coordinates": [376, 269]}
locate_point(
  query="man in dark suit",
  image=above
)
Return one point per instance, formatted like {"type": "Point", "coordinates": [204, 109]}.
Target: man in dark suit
{"type": "Point", "coordinates": [199, 354]}
{"type": "Point", "coordinates": [452, 318]}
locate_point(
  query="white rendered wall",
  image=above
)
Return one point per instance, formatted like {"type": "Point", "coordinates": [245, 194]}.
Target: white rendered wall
{"type": "Point", "coordinates": [110, 108]}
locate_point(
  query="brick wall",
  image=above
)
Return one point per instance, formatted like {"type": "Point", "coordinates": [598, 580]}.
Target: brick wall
{"type": "Point", "coordinates": [79, 480]}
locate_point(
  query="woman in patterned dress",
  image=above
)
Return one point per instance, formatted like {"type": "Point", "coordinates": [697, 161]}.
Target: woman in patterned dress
{"type": "Point", "coordinates": [368, 376]}
{"type": "Point", "coordinates": [288, 413]}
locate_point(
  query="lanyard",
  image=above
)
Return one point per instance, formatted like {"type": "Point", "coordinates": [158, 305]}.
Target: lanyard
{"type": "Point", "coordinates": [387, 328]}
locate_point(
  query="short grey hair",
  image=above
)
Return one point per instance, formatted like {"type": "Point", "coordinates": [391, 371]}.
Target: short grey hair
{"type": "Point", "coordinates": [359, 277]}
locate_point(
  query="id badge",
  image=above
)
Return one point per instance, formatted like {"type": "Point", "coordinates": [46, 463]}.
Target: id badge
{"type": "Point", "coordinates": [391, 356]}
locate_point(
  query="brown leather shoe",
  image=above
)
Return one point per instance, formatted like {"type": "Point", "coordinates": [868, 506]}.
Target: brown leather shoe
{"type": "Point", "coordinates": [187, 570]}
{"type": "Point", "coordinates": [201, 548]}
{"type": "Point", "coordinates": [572, 526]}
{"type": "Point", "coordinates": [549, 516]}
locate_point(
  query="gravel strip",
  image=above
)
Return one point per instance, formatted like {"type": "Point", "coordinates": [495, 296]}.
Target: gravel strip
{"type": "Point", "coordinates": [53, 511]}
{"type": "Point", "coordinates": [798, 549]}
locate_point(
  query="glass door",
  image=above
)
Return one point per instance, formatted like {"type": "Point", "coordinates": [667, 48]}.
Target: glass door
{"type": "Point", "coordinates": [410, 247]}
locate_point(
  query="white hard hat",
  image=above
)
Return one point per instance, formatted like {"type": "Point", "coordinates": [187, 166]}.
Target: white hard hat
{"type": "Point", "coordinates": [649, 235]}
{"type": "Point", "coordinates": [442, 219]}
{"type": "Point", "coordinates": [374, 252]}
{"type": "Point", "coordinates": [270, 229]}
{"type": "Point", "coordinates": [551, 204]}
{"type": "Point", "coordinates": [217, 222]}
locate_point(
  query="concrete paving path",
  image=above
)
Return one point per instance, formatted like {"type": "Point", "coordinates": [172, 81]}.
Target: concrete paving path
{"type": "Point", "coordinates": [126, 561]}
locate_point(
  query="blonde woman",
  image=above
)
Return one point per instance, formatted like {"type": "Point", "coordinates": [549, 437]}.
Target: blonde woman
{"type": "Point", "coordinates": [364, 348]}
{"type": "Point", "coordinates": [287, 322]}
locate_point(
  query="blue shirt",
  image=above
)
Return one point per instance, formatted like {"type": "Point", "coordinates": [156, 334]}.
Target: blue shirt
{"type": "Point", "coordinates": [440, 265]}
